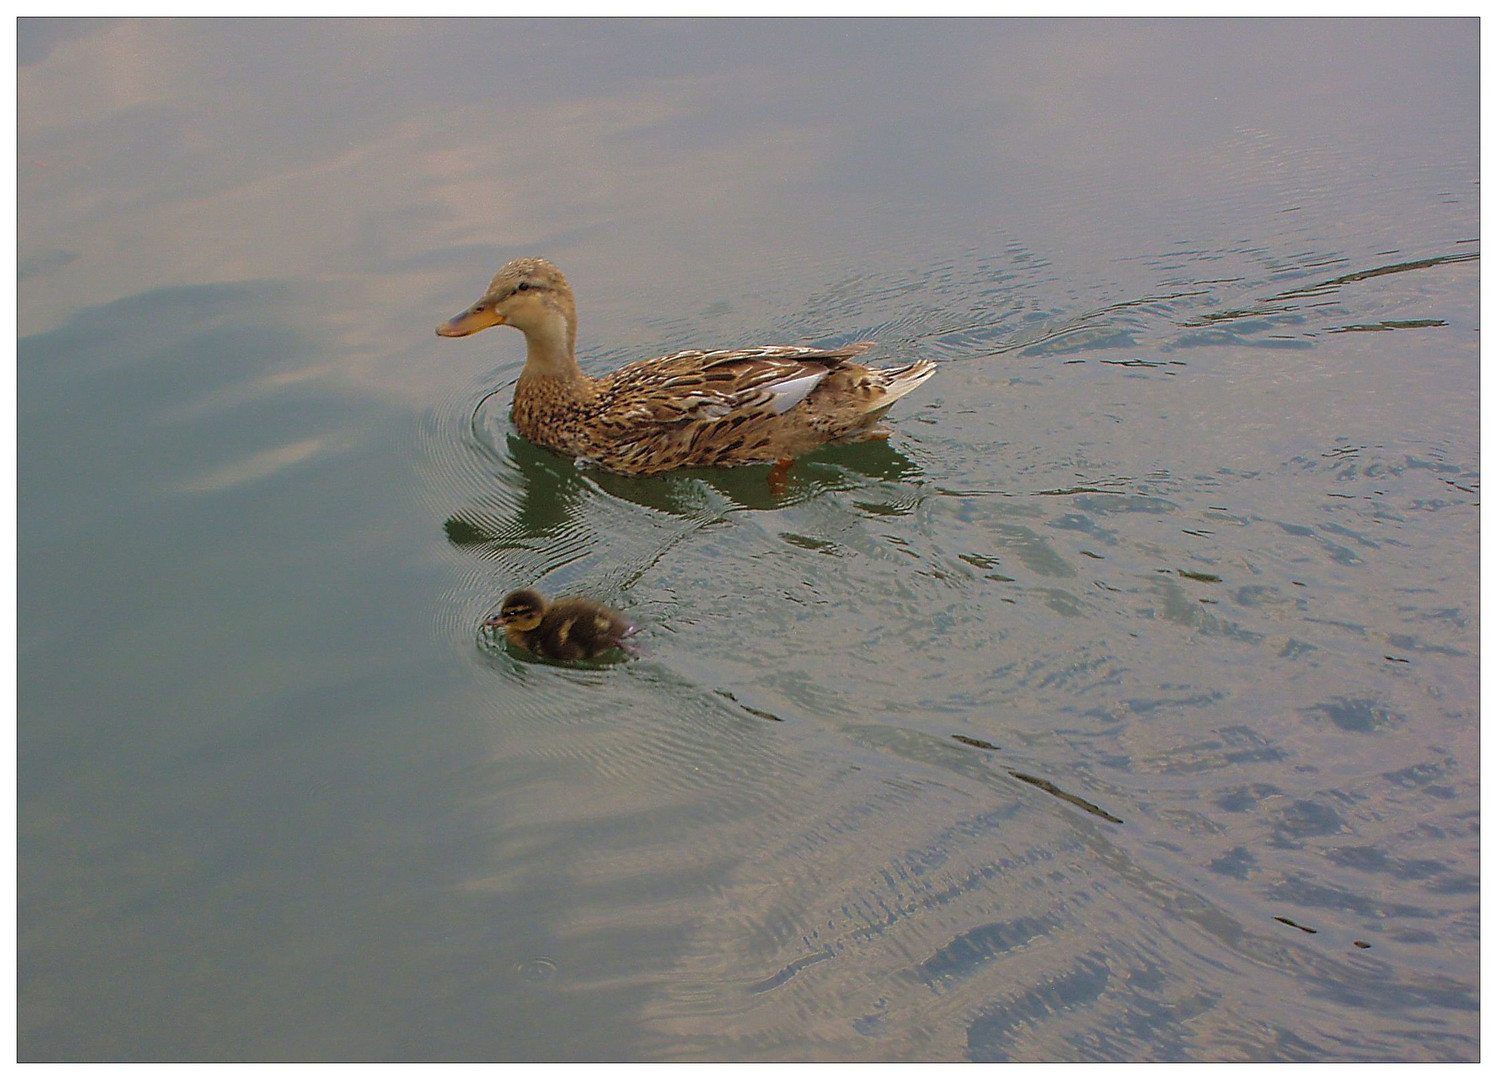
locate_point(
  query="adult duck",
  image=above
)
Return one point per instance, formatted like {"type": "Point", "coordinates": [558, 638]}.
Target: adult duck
{"type": "Point", "coordinates": [720, 408]}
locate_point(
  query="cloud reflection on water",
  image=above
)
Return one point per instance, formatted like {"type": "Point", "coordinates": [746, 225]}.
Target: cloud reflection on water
{"type": "Point", "coordinates": [401, 161]}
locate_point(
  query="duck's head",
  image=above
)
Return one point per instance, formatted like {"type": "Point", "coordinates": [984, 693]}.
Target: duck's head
{"type": "Point", "coordinates": [528, 294]}
{"type": "Point", "coordinates": [521, 611]}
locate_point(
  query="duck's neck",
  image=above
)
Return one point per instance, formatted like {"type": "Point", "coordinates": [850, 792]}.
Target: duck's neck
{"type": "Point", "coordinates": [550, 350]}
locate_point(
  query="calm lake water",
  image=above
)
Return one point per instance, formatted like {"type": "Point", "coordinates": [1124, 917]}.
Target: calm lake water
{"type": "Point", "coordinates": [1123, 706]}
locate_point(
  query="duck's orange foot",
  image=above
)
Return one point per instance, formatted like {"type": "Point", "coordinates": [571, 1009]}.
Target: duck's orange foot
{"type": "Point", "coordinates": [779, 475]}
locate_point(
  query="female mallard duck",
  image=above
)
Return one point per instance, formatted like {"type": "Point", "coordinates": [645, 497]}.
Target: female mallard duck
{"type": "Point", "coordinates": [569, 629]}
{"type": "Point", "coordinates": [730, 407]}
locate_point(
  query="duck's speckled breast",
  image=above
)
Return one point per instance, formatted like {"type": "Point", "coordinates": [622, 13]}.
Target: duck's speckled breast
{"type": "Point", "coordinates": [554, 413]}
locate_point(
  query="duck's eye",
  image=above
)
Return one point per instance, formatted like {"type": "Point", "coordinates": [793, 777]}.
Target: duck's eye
{"type": "Point", "coordinates": [522, 286]}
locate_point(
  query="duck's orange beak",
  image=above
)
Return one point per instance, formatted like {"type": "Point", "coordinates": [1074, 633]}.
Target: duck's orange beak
{"type": "Point", "coordinates": [480, 316]}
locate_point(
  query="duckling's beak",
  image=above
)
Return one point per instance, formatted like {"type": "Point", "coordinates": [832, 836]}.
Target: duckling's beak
{"type": "Point", "coordinates": [480, 316]}
{"type": "Point", "coordinates": [493, 620]}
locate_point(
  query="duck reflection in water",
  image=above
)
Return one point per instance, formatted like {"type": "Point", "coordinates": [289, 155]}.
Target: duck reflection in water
{"type": "Point", "coordinates": [546, 492]}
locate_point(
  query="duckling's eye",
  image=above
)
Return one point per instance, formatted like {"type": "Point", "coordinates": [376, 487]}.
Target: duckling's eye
{"type": "Point", "coordinates": [522, 286]}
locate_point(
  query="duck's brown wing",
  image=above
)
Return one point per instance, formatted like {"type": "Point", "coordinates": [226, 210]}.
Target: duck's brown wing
{"type": "Point", "coordinates": [702, 387]}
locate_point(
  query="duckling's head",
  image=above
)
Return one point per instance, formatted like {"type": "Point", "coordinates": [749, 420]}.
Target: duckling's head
{"type": "Point", "coordinates": [521, 611]}
{"type": "Point", "coordinates": [529, 294]}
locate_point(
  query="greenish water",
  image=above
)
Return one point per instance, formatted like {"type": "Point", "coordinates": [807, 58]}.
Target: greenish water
{"type": "Point", "coordinates": [1123, 706]}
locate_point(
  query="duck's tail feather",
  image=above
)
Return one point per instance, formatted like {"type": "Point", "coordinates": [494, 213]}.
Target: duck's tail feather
{"type": "Point", "coordinates": [900, 381]}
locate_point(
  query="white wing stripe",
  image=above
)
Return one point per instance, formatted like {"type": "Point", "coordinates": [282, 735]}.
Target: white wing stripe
{"type": "Point", "coordinates": [789, 393]}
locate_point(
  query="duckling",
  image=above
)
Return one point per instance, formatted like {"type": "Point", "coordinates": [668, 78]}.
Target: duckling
{"type": "Point", "coordinates": [571, 628]}
{"type": "Point", "coordinates": [723, 408]}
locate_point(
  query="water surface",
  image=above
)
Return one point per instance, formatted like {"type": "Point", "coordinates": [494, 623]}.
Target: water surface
{"type": "Point", "coordinates": [1123, 706]}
